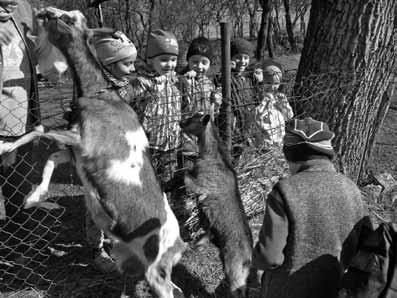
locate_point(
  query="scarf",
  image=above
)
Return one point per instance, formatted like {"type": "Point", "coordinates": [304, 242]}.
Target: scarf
{"type": "Point", "coordinates": [119, 85]}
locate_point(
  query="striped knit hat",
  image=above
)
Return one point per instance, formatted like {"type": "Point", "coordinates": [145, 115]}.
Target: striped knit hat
{"type": "Point", "coordinates": [161, 42]}
{"type": "Point", "coordinates": [114, 48]}
{"type": "Point", "coordinates": [307, 139]}
{"type": "Point", "coordinates": [272, 72]}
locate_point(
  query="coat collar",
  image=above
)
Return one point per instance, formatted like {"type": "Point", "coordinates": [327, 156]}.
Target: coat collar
{"type": "Point", "coordinates": [316, 165]}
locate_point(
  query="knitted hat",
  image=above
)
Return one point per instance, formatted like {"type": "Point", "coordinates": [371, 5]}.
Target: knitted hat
{"type": "Point", "coordinates": [272, 72]}
{"type": "Point", "coordinates": [161, 42]}
{"type": "Point", "coordinates": [113, 49]}
{"type": "Point", "coordinates": [200, 46]}
{"type": "Point", "coordinates": [305, 139]}
{"type": "Point", "coordinates": [240, 46]}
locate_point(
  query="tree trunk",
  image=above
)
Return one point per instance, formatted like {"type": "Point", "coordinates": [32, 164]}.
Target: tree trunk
{"type": "Point", "coordinates": [288, 24]}
{"type": "Point", "coordinates": [303, 25]}
{"type": "Point", "coordinates": [345, 68]}
{"type": "Point", "coordinates": [269, 38]}
{"type": "Point", "coordinates": [264, 29]}
{"type": "Point", "coordinates": [373, 130]}
{"type": "Point", "coordinates": [253, 23]}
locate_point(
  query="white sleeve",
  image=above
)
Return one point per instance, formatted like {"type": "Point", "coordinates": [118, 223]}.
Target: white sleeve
{"type": "Point", "coordinates": [50, 60]}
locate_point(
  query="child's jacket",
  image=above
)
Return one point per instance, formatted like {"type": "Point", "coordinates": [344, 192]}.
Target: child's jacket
{"type": "Point", "coordinates": [158, 101]}
{"type": "Point", "coordinates": [270, 117]}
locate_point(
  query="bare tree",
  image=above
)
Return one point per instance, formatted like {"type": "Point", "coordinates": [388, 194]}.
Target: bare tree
{"type": "Point", "coordinates": [288, 23]}
{"type": "Point", "coordinates": [252, 7]}
{"type": "Point", "coordinates": [345, 68]}
{"type": "Point", "coordinates": [263, 33]}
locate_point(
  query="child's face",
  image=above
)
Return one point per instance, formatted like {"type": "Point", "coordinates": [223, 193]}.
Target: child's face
{"type": "Point", "coordinates": [164, 64]}
{"type": "Point", "coordinates": [270, 86]}
{"type": "Point", "coordinates": [200, 64]}
{"type": "Point", "coordinates": [241, 61]}
{"type": "Point", "coordinates": [123, 68]}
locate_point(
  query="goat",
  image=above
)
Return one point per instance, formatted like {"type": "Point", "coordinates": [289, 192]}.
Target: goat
{"type": "Point", "coordinates": [111, 156]}
{"type": "Point", "coordinates": [214, 181]}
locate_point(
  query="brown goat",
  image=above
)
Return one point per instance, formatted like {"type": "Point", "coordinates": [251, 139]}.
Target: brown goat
{"type": "Point", "coordinates": [214, 181]}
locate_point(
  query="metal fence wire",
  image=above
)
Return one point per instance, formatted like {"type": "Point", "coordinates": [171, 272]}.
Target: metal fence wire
{"type": "Point", "coordinates": [30, 238]}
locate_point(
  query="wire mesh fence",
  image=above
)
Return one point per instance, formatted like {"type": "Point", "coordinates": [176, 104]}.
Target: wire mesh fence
{"type": "Point", "coordinates": [29, 238]}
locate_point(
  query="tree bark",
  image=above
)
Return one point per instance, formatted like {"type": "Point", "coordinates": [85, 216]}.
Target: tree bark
{"type": "Point", "coordinates": [345, 68]}
{"type": "Point", "coordinates": [264, 29]}
{"type": "Point", "coordinates": [288, 24]}
{"type": "Point", "coordinates": [269, 38]}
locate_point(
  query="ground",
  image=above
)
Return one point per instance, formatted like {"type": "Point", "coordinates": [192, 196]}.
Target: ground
{"type": "Point", "coordinates": [199, 273]}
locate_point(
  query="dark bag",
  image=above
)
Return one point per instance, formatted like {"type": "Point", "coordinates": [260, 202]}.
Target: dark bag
{"type": "Point", "coordinates": [372, 272]}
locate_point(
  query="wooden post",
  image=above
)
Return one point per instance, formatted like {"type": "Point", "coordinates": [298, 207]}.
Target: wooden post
{"type": "Point", "coordinates": [226, 111]}
{"type": "Point", "coordinates": [100, 15]}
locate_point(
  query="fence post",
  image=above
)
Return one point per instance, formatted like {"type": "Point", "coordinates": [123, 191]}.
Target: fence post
{"type": "Point", "coordinates": [226, 110]}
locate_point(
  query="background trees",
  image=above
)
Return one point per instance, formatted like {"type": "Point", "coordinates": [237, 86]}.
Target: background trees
{"type": "Point", "coordinates": [190, 18]}
{"type": "Point", "coordinates": [348, 59]}
{"type": "Point", "coordinates": [346, 63]}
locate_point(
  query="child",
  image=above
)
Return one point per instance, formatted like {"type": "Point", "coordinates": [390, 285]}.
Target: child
{"type": "Point", "coordinates": [158, 102]}
{"type": "Point", "coordinates": [309, 218]}
{"type": "Point", "coordinates": [117, 55]}
{"type": "Point", "coordinates": [273, 111]}
{"type": "Point", "coordinates": [243, 96]}
{"type": "Point", "coordinates": [201, 90]}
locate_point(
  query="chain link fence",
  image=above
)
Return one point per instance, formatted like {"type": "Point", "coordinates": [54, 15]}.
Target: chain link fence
{"type": "Point", "coordinates": [32, 241]}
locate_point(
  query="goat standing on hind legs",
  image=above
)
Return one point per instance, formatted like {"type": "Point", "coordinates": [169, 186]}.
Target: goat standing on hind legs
{"type": "Point", "coordinates": [110, 150]}
{"type": "Point", "coordinates": [214, 181]}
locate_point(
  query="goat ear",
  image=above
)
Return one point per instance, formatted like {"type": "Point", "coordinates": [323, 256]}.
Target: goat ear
{"type": "Point", "coordinates": [206, 119]}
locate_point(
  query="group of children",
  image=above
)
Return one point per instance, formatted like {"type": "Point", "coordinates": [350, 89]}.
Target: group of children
{"type": "Point", "coordinates": [162, 97]}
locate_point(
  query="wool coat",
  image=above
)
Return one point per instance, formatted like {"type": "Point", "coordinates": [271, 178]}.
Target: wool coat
{"type": "Point", "coordinates": [310, 216]}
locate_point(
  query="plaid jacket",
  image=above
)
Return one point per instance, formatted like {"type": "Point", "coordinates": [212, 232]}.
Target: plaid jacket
{"type": "Point", "coordinates": [158, 101]}
{"type": "Point", "coordinates": [199, 92]}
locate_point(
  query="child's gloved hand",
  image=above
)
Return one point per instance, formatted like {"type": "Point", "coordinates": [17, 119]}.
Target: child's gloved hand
{"type": "Point", "coordinates": [258, 75]}
{"type": "Point", "coordinates": [216, 97]}
{"type": "Point", "coordinates": [160, 79]}
{"type": "Point", "coordinates": [190, 74]}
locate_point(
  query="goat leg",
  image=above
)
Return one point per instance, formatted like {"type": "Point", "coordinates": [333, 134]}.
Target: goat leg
{"type": "Point", "coordinates": [6, 147]}
{"type": "Point", "coordinates": [57, 158]}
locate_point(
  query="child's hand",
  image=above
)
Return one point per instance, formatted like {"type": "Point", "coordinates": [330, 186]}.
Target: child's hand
{"type": "Point", "coordinates": [268, 100]}
{"type": "Point", "coordinates": [190, 74]}
{"type": "Point", "coordinates": [216, 97]}
{"type": "Point", "coordinates": [160, 79]}
{"type": "Point", "coordinates": [258, 75]}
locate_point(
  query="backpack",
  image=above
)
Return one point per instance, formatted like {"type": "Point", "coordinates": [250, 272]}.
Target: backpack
{"type": "Point", "coordinates": [372, 273]}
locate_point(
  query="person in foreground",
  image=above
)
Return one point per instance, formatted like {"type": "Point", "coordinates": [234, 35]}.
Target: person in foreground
{"type": "Point", "coordinates": [310, 217]}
